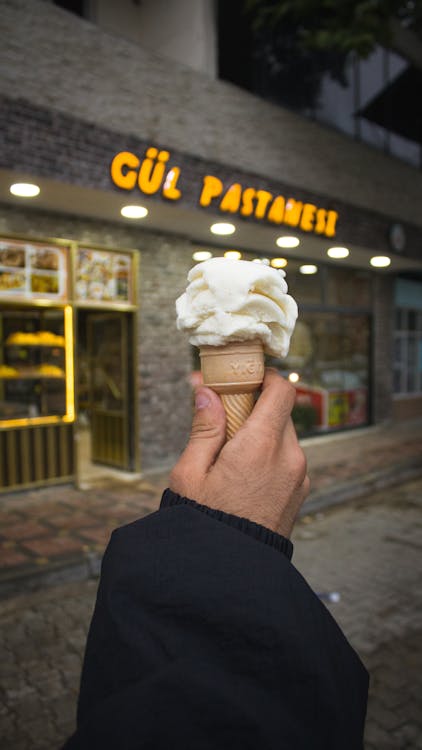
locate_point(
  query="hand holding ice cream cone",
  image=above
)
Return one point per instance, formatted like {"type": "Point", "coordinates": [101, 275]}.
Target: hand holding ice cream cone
{"type": "Point", "coordinates": [235, 311]}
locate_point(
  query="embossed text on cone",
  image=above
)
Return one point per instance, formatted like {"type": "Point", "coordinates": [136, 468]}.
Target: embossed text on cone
{"type": "Point", "coordinates": [234, 371]}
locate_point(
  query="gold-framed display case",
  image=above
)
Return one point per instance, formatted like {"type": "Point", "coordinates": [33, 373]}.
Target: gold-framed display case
{"type": "Point", "coordinates": [49, 291]}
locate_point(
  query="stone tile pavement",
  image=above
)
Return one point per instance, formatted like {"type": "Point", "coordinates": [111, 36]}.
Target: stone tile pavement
{"type": "Point", "coordinates": [56, 533]}
{"type": "Point", "coordinates": [369, 551]}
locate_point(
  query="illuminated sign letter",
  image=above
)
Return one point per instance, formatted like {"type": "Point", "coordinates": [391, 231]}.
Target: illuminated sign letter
{"type": "Point", "coordinates": [292, 212]}
{"type": "Point", "coordinates": [170, 190]}
{"type": "Point", "coordinates": [321, 217]}
{"type": "Point", "coordinates": [276, 212]}
{"type": "Point", "coordinates": [231, 200]}
{"type": "Point", "coordinates": [151, 172]}
{"type": "Point", "coordinates": [263, 199]}
{"type": "Point", "coordinates": [212, 187]}
{"type": "Point", "coordinates": [247, 202]}
{"type": "Point", "coordinates": [308, 217]}
{"type": "Point", "coordinates": [330, 227]}
{"type": "Point", "coordinates": [123, 170]}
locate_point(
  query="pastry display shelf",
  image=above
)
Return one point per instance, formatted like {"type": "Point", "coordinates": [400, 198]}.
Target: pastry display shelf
{"type": "Point", "coordinates": [35, 346]}
{"type": "Point", "coordinates": [32, 376]}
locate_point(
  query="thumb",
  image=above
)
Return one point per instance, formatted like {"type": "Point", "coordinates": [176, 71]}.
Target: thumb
{"type": "Point", "coordinates": [207, 437]}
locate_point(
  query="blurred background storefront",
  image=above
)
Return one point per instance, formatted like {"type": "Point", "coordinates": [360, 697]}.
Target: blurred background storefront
{"type": "Point", "coordinates": [138, 150]}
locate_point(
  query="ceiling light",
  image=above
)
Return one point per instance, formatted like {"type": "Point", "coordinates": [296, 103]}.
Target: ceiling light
{"type": "Point", "coordinates": [233, 254]}
{"type": "Point", "coordinates": [279, 262]}
{"type": "Point", "coordinates": [287, 241]}
{"type": "Point", "coordinates": [294, 377]}
{"type": "Point", "coordinates": [134, 212]}
{"type": "Point", "coordinates": [308, 269]}
{"type": "Point", "coordinates": [380, 261]}
{"type": "Point", "coordinates": [24, 189]}
{"type": "Point", "coordinates": [223, 228]}
{"type": "Point", "coordinates": [338, 252]}
{"type": "Point", "coordinates": [202, 255]}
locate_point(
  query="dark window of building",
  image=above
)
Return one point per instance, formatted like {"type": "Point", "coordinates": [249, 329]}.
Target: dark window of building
{"type": "Point", "coordinates": [73, 6]}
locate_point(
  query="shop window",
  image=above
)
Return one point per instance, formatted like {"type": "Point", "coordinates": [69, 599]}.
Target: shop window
{"type": "Point", "coordinates": [407, 366]}
{"type": "Point", "coordinates": [328, 364]}
{"type": "Point", "coordinates": [32, 364]}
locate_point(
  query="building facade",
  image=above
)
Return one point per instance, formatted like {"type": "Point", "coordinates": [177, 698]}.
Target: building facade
{"type": "Point", "coordinates": [99, 121]}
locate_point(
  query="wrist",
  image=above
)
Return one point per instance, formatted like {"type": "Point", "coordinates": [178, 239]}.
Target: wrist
{"type": "Point", "coordinates": [257, 531]}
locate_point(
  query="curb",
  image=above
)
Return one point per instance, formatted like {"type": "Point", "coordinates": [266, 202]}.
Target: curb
{"type": "Point", "coordinates": [83, 568]}
{"type": "Point", "coordinates": [354, 489]}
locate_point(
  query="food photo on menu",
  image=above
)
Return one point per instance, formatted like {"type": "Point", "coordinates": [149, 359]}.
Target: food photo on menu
{"type": "Point", "coordinates": [28, 269]}
{"type": "Point", "coordinates": [12, 265]}
{"type": "Point", "coordinates": [102, 276]}
{"type": "Point", "coordinates": [45, 259]}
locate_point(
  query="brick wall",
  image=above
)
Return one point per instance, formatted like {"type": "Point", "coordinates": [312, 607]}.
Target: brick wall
{"type": "Point", "coordinates": [61, 62]}
{"type": "Point", "coordinates": [164, 353]}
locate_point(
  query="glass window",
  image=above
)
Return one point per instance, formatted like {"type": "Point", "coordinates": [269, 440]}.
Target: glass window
{"type": "Point", "coordinates": [328, 362]}
{"type": "Point", "coordinates": [32, 363]}
{"type": "Point", "coordinates": [408, 351]}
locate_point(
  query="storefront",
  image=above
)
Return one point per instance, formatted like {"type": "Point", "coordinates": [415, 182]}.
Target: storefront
{"type": "Point", "coordinates": [67, 325]}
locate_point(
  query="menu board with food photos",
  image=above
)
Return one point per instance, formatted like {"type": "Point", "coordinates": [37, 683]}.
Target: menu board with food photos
{"type": "Point", "coordinates": [103, 277]}
{"type": "Point", "coordinates": [32, 270]}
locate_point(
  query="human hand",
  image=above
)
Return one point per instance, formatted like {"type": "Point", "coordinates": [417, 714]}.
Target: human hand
{"type": "Point", "coordinates": [259, 474]}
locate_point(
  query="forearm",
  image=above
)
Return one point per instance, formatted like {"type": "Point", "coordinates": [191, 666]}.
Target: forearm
{"type": "Point", "coordinates": [204, 633]}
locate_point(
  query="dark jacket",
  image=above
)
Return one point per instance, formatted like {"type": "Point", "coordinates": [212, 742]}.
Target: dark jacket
{"type": "Point", "coordinates": [204, 635]}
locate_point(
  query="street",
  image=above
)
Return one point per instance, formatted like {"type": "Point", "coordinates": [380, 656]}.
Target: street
{"type": "Point", "coordinates": [368, 551]}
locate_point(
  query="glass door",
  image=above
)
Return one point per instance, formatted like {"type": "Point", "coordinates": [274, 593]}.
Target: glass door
{"type": "Point", "coordinates": [110, 389]}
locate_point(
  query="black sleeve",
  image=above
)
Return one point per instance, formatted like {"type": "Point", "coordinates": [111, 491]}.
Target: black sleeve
{"type": "Point", "coordinates": [205, 637]}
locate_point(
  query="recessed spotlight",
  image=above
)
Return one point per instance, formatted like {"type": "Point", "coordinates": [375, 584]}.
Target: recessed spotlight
{"type": "Point", "coordinates": [287, 241]}
{"type": "Point", "coordinates": [202, 255]}
{"type": "Point", "coordinates": [134, 212]}
{"type": "Point", "coordinates": [380, 261]}
{"type": "Point", "coordinates": [294, 377]}
{"type": "Point", "coordinates": [24, 189]}
{"type": "Point", "coordinates": [338, 252]}
{"type": "Point", "coordinates": [308, 269]}
{"type": "Point", "coordinates": [278, 262]}
{"type": "Point", "coordinates": [223, 228]}
{"type": "Point", "coordinates": [233, 254]}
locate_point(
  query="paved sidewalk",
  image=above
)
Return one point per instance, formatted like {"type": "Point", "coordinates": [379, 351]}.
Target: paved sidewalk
{"type": "Point", "coordinates": [368, 550]}
{"type": "Point", "coordinates": [59, 533]}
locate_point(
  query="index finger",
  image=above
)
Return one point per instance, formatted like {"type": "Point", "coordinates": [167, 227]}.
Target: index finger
{"type": "Point", "coordinates": [274, 405]}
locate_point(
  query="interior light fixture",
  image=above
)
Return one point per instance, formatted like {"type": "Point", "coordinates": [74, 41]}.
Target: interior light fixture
{"type": "Point", "coordinates": [24, 189]}
{"type": "Point", "coordinates": [134, 212]}
{"type": "Point", "coordinates": [338, 252]}
{"type": "Point", "coordinates": [287, 241]}
{"type": "Point", "coordinates": [223, 227]}
{"type": "Point", "coordinates": [202, 255]}
{"type": "Point", "coordinates": [308, 269]}
{"type": "Point", "coordinates": [294, 377]}
{"type": "Point", "coordinates": [380, 261]}
{"type": "Point", "coordinates": [233, 254]}
{"type": "Point", "coordinates": [278, 262]}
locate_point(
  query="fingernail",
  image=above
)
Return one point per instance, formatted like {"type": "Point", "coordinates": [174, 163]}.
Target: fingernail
{"type": "Point", "coordinates": [202, 400]}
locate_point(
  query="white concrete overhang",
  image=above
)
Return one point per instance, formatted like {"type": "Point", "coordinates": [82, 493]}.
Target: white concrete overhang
{"type": "Point", "coordinates": [192, 224]}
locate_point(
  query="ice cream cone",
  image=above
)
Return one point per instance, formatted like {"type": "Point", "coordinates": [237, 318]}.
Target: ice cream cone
{"type": "Point", "coordinates": [235, 371]}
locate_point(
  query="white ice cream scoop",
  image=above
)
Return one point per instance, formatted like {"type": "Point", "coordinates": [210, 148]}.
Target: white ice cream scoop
{"type": "Point", "coordinates": [236, 300]}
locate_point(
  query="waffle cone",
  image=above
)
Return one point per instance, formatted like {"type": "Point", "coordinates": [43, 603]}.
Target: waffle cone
{"type": "Point", "coordinates": [235, 371]}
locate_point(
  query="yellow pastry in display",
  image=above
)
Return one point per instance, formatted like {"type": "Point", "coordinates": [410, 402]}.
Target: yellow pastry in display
{"type": "Point", "coordinates": [50, 371]}
{"type": "Point", "coordinates": [38, 338]}
{"type": "Point", "coordinates": [8, 372]}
